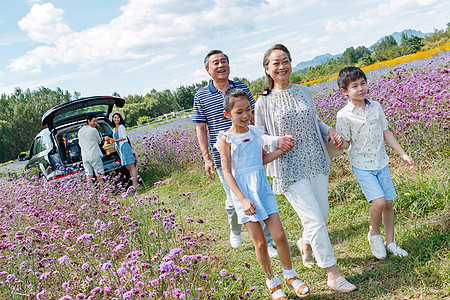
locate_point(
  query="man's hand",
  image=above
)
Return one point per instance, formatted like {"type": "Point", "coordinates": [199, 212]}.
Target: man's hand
{"type": "Point", "coordinates": [209, 168]}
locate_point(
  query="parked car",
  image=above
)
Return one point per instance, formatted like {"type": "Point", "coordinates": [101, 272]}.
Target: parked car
{"type": "Point", "coordinates": [55, 151]}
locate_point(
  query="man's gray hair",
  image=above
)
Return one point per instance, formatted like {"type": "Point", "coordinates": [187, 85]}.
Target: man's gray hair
{"type": "Point", "coordinates": [206, 60]}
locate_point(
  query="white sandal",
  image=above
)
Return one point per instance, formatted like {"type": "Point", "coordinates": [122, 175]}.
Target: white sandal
{"type": "Point", "coordinates": [278, 293]}
{"type": "Point", "coordinates": [301, 289]}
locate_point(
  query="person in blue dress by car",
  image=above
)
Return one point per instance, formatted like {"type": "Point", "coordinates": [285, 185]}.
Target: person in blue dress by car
{"type": "Point", "coordinates": [122, 146]}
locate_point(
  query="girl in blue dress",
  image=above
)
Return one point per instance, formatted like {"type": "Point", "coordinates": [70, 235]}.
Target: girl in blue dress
{"type": "Point", "coordinates": [123, 147]}
{"type": "Point", "coordinates": [243, 162]}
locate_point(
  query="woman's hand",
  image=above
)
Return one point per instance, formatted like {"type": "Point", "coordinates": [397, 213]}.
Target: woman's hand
{"type": "Point", "coordinates": [248, 206]}
{"type": "Point", "coordinates": [286, 142]}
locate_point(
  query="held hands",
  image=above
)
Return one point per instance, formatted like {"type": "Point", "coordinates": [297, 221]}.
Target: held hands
{"type": "Point", "coordinates": [286, 142]}
{"type": "Point", "coordinates": [335, 137]}
{"type": "Point", "coordinates": [248, 206]}
{"type": "Point", "coordinates": [409, 161]}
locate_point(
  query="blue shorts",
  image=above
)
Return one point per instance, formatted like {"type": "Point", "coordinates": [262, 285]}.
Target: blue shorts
{"type": "Point", "coordinates": [375, 183]}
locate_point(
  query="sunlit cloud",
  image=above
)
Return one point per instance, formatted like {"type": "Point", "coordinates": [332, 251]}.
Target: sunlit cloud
{"type": "Point", "coordinates": [155, 60]}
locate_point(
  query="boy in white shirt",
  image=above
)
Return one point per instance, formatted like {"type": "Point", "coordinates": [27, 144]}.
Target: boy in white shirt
{"type": "Point", "coordinates": [364, 129]}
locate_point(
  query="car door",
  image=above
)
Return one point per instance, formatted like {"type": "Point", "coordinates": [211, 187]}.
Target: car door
{"type": "Point", "coordinates": [39, 156]}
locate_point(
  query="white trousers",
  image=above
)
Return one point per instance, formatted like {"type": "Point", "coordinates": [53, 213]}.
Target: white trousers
{"type": "Point", "coordinates": [309, 198]}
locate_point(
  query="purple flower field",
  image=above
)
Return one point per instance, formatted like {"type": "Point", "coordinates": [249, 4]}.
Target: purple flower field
{"type": "Point", "coordinates": [159, 153]}
{"type": "Point", "coordinates": [416, 101]}
{"type": "Point", "coordinates": [75, 240]}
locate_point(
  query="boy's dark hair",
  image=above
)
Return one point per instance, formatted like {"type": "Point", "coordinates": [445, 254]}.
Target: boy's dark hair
{"type": "Point", "coordinates": [206, 60]}
{"type": "Point", "coordinates": [348, 74]}
{"type": "Point", "coordinates": [230, 97]}
{"type": "Point", "coordinates": [91, 116]}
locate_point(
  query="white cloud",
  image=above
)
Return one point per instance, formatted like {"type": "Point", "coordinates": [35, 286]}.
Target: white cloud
{"type": "Point", "coordinates": [379, 14]}
{"type": "Point", "coordinates": [35, 84]}
{"type": "Point", "coordinates": [154, 60]}
{"type": "Point", "coordinates": [33, 60]}
{"type": "Point", "coordinates": [201, 49]}
{"type": "Point", "coordinates": [44, 23]}
{"type": "Point", "coordinates": [144, 30]}
{"type": "Point", "coordinates": [196, 76]}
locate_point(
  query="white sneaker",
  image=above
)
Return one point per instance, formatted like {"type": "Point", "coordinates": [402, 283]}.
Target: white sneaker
{"type": "Point", "coordinates": [272, 251]}
{"type": "Point", "coordinates": [235, 240]}
{"type": "Point", "coordinates": [396, 250]}
{"type": "Point", "coordinates": [376, 245]}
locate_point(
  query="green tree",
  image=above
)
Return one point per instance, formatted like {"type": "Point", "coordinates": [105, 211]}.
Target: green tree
{"type": "Point", "coordinates": [349, 56]}
{"type": "Point", "coordinates": [361, 51]}
{"type": "Point", "coordinates": [366, 60]}
{"type": "Point", "coordinates": [379, 49]}
{"type": "Point", "coordinates": [162, 103]}
{"type": "Point", "coordinates": [184, 95]}
{"type": "Point", "coordinates": [413, 44]}
{"type": "Point", "coordinates": [21, 114]}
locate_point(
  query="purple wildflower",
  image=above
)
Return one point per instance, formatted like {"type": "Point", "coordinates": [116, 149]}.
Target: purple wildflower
{"type": "Point", "coordinates": [62, 260]}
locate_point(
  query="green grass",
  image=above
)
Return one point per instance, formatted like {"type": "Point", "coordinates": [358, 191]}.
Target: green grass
{"type": "Point", "coordinates": [422, 228]}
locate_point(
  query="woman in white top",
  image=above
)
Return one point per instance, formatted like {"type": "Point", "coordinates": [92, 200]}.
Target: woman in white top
{"type": "Point", "coordinates": [287, 113]}
{"type": "Point", "coordinates": [123, 147]}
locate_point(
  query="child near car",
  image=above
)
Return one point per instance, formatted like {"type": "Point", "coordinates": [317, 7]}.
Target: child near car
{"type": "Point", "coordinates": [364, 128]}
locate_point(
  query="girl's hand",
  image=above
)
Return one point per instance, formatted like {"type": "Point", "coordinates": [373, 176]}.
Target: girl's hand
{"type": "Point", "coordinates": [248, 206]}
{"type": "Point", "coordinates": [286, 143]}
{"type": "Point", "coordinates": [409, 161]}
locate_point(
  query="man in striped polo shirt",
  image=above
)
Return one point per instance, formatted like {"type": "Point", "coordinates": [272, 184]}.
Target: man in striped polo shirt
{"type": "Point", "coordinates": [209, 119]}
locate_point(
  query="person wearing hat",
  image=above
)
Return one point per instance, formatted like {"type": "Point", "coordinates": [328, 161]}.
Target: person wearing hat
{"type": "Point", "coordinates": [122, 145]}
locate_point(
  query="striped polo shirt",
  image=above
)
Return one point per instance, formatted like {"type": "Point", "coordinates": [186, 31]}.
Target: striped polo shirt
{"type": "Point", "coordinates": [208, 108]}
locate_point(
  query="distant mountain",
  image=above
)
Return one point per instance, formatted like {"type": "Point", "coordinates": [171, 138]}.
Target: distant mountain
{"type": "Point", "coordinates": [398, 35]}
{"type": "Point", "coordinates": [314, 62]}
{"type": "Point", "coordinates": [304, 65]}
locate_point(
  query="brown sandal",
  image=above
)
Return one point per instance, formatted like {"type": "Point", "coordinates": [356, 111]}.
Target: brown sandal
{"type": "Point", "coordinates": [300, 289]}
{"type": "Point", "coordinates": [278, 287]}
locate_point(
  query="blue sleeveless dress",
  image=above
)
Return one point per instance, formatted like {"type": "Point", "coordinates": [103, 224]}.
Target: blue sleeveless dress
{"type": "Point", "coordinates": [124, 150]}
{"type": "Point", "coordinates": [248, 170]}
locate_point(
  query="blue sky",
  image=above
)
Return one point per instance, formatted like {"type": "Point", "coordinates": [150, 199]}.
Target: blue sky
{"type": "Point", "coordinates": [97, 47]}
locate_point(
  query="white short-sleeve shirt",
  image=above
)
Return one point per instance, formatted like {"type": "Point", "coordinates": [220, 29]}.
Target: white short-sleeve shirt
{"type": "Point", "coordinates": [89, 139]}
{"type": "Point", "coordinates": [364, 130]}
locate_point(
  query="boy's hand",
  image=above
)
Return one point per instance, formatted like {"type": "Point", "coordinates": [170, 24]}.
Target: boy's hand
{"type": "Point", "coordinates": [336, 138]}
{"type": "Point", "coordinates": [409, 161]}
{"type": "Point", "coordinates": [248, 206]}
{"type": "Point", "coordinates": [286, 142]}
